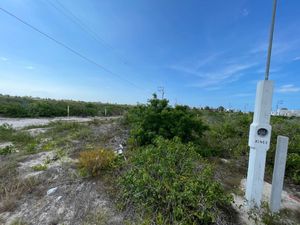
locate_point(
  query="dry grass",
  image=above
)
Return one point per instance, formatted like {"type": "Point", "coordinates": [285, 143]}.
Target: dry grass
{"type": "Point", "coordinates": [95, 161]}
{"type": "Point", "coordinates": [13, 190]}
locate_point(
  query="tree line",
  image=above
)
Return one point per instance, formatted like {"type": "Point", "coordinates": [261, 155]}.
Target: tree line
{"type": "Point", "coordinates": [13, 106]}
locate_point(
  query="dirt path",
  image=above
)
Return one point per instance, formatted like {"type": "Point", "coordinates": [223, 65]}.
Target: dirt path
{"type": "Point", "coordinates": [58, 193]}
{"type": "Point", "coordinates": [19, 123]}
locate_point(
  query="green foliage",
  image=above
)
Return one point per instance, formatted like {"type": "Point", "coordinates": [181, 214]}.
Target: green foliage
{"type": "Point", "coordinates": [94, 162]}
{"type": "Point", "coordinates": [228, 134]}
{"type": "Point", "coordinates": [158, 118]}
{"type": "Point", "coordinates": [289, 127]}
{"type": "Point", "coordinates": [39, 167]}
{"type": "Point", "coordinates": [6, 150]}
{"type": "Point", "coordinates": [170, 182]}
{"type": "Point", "coordinates": [36, 107]}
{"type": "Point", "coordinates": [20, 138]}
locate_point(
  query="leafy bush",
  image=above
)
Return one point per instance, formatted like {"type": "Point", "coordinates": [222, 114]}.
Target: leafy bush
{"type": "Point", "coordinates": [170, 182]}
{"type": "Point", "coordinates": [293, 167]}
{"type": "Point", "coordinates": [227, 135]}
{"type": "Point", "coordinates": [289, 127]}
{"type": "Point", "coordinates": [95, 161]}
{"type": "Point", "coordinates": [157, 118]}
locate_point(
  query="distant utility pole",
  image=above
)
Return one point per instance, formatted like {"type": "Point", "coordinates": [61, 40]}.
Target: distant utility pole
{"type": "Point", "coordinates": [162, 91]}
{"type": "Point", "coordinates": [279, 102]}
{"type": "Point", "coordinates": [68, 111]}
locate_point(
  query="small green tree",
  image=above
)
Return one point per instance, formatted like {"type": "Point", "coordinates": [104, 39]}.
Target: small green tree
{"type": "Point", "coordinates": [158, 118]}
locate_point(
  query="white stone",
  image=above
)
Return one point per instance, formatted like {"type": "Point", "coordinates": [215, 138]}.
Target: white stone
{"type": "Point", "coordinates": [51, 191]}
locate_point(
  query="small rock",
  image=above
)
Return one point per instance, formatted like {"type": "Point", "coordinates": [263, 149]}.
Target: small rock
{"type": "Point", "coordinates": [225, 160]}
{"type": "Point", "coordinates": [59, 198]}
{"type": "Point", "coordinates": [51, 191]}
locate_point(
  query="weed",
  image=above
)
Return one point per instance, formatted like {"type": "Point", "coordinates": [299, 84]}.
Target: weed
{"type": "Point", "coordinates": [6, 150]}
{"type": "Point", "coordinates": [95, 161]}
{"type": "Point", "coordinates": [100, 217]}
{"type": "Point", "coordinates": [39, 167]}
{"type": "Point", "coordinates": [263, 215]}
{"type": "Point", "coordinates": [12, 190]}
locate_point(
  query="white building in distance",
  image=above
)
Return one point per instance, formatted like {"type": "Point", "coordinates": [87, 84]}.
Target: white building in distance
{"type": "Point", "coordinates": [286, 112]}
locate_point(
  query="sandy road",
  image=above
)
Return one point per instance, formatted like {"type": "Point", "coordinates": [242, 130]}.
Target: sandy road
{"type": "Point", "coordinates": [19, 123]}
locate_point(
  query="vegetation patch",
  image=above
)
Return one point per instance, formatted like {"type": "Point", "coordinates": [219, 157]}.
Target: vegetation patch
{"type": "Point", "coordinates": [171, 184]}
{"type": "Point", "coordinates": [158, 118]}
{"type": "Point", "coordinates": [94, 162]}
{"type": "Point", "coordinates": [39, 167]}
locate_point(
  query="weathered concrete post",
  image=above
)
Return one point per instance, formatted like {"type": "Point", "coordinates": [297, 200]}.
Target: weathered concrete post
{"type": "Point", "coordinates": [259, 142]}
{"type": "Point", "coordinates": [278, 173]}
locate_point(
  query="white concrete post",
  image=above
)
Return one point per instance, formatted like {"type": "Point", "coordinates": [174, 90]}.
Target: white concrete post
{"type": "Point", "coordinates": [259, 142]}
{"type": "Point", "coordinates": [278, 173]}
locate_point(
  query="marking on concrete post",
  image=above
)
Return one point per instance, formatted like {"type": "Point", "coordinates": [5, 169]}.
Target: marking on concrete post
{"type": "Point", "coordinates": [278, 173]}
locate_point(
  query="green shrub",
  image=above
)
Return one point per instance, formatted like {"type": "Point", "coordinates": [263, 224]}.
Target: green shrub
{"type": "Point", "coordinates": [6, 150]}
{"type": "Point", "coordinates": [170, 182]}
{"type": "Point", "coordinates": [227, 135]}
{"type": "Point", "coordinates": [95, 161]}
{"type": "Point", "coordinates": [293, 167]}
{"type": "Point", "coordinates": [6, 132]}
{"type": "Point", "coordinates": [158, 118]}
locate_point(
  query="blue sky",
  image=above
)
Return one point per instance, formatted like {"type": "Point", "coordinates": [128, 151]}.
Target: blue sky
{"type": "Point", "coordinates": [203, 52]}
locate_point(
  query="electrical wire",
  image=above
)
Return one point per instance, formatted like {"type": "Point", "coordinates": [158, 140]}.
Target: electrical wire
{"type": "Point", "coordinates": [91, 61]}
{"type": "Point", "coordinates": [76, 20]}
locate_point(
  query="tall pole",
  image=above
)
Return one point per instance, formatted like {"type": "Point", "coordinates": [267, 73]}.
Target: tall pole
{"type": "Point", "coordinates": [271, 41]}
{"type": "Point", "coordinates": [260, 131]}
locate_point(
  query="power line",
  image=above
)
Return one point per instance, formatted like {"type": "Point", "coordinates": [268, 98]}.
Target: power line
{"type": "Point", "coordinates": [69, 48]}
{"type": "Point", "coordinates": [76, 20]}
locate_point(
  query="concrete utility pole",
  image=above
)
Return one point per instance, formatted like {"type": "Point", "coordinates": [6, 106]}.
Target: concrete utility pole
{"type": "Point", "coordinates": [260, 131]}
{"type": "Point", "coordinates": [278, 173]}
{"type": "Point", "coordinates": [68, 111]}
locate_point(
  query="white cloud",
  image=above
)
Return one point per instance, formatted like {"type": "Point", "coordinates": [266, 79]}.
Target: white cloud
{"type": "Point", "coordinates": [3, 58]}
{"type": "Point", "coordinates": [227, 74]}
{"type": "Point", "coordinates": [29, 67]}
{"type": "Point", "coordinates": [288, 88]}
{"type": "Point", "coordinates": [245, 12]}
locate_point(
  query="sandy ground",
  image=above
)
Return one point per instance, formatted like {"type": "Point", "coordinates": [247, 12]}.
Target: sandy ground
{"type": "Point", "coordinates": [61, 195]}
{"type": "Point", "coordinates": [19, 123]}
{"type": "Point", "coordinates": [289, 201]}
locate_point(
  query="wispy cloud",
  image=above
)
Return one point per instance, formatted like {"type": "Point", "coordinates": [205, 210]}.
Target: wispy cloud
{"type": "Point", "coordinates": [225, 75]}
{"type": "Point", "coordinates": [211, 73]}
{"type": "Point", "coordinates": [245, 12]}
{"type": "Point", "coordinates": [288, 88]}
{"type": "Point", "coordinates": [297, 58]}
{"type": "Point", "coordinates": [279, 47]}
{"type": "Point", "coordinates": [29, 67]}
{"type": "Point", "coordinates": [3, 58]}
